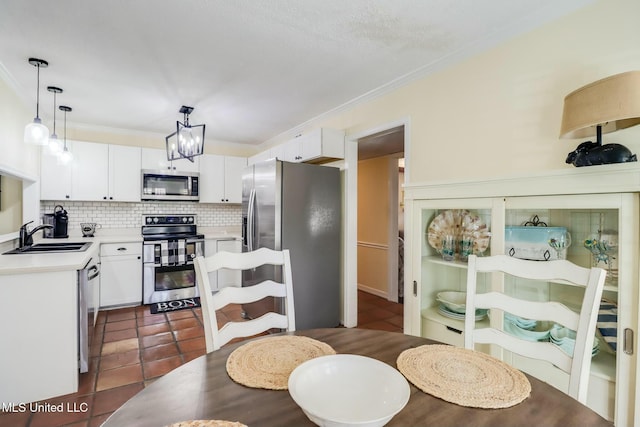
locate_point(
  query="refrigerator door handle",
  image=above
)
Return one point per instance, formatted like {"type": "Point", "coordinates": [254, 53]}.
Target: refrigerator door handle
{"type": "Point", "coordinates": [251, 219]}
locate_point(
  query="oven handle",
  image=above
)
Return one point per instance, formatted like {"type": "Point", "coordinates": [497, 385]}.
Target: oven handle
{"type": "Point", "coordinates": [93, 272]}
{"type": "Point", "coordinates": [251, 219]}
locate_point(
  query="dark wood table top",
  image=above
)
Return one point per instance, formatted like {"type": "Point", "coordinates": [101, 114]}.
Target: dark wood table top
{"type": "Point", "coordinates": [201, 389]}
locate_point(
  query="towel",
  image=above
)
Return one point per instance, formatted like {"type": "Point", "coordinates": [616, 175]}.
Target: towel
{"type": "Point", "coordinates": [164, 253]}
{"type": "Point", "coordinates": [182, 253]}
{"type": "Point", "coordinates": [608, 323]}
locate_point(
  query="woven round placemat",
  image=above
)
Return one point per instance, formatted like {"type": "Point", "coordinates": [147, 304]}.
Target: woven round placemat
{"type": "Point", "coordinates": [465, 377]}
{"type": "Point", "coordinates": [268, 362]}
{"type": "Point", "coordinates": [207, 423]}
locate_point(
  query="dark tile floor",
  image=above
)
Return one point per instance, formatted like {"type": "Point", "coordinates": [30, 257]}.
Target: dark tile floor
{"type": "Point", "coordinates": [132, 347]}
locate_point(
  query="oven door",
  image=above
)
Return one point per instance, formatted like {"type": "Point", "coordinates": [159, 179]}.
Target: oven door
{"type": "Point", "coordinates": [168, 272]}
{"type": "Point", "coordinates": [168, 283]}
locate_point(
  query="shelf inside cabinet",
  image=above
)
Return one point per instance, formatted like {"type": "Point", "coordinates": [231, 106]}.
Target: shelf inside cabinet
{"type": "Point", "coordinates": [438, 260]}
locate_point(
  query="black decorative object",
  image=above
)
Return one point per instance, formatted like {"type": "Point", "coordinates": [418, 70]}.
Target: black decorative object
{"type": "Point", "coordinates": [604, 106]}
{"type": "Point", "coordinates": [187, 141]}
{"type": "Point", "coordinates": [591, 153]}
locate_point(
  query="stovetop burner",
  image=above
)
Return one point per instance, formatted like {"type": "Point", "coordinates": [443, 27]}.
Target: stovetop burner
{"type": "Point", "coordinates": [164, 227]}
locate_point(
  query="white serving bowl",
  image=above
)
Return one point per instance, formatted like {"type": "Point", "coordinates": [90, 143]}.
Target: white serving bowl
{"type": "Point", "coordinates": [348, 390]}
{"type": "Point", "coordinates": [453, 300]}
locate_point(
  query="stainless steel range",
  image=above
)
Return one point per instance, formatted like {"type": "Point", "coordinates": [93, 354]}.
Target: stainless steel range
{"type": "Point", "coordinates": [170, 244]}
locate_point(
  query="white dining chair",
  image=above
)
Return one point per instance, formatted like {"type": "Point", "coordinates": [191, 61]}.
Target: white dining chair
{"type": "Point", "coordinates": [212, 302]}
{"type": "Point", "coordinates": [591, 279]}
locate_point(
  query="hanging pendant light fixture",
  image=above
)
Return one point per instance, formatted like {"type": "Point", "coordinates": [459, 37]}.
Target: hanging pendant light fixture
{"type": "Point", "coordinates": [65, 155]}
{"type": "Point", "coordinates": [55, 145]}
{"type": "Point", "coordinates": [36, 133]}
{"type": "Point", "coordinates": [189, 139]}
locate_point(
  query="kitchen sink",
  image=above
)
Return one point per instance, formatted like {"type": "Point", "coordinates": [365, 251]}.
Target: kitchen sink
{"type": "Point", "coordinates": [56, 247]}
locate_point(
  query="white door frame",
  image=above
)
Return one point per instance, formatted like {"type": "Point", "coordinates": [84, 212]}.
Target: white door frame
{"type": "Point", "coordinates": [350, 222]}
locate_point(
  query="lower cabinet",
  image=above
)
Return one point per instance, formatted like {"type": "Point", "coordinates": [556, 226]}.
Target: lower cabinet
{"type": "Point", "coordinates": [223, 278]}
{"type": "Point", "coordinates": [120, 274]}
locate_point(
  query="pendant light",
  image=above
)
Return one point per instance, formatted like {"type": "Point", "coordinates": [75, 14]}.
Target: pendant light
{"type": "Point", "coordinates": [36, 133]}
{"type": "Point", "coordinates": [65, 155]}
{"type": "Point", "coordinates": [55, 145]}
{"type": "Point", "coordinates": [189, 139]}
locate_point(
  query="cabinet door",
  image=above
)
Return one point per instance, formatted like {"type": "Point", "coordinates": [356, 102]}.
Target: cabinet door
{"type": "Point", "coordinates": [210, 248]}
{"type": "Point", "coordinates": [601, 217]}
{"type": "Point", "coordinates": [156, 159]}
{"type": "Point", "coordinates": [233, 168]}
{"type": "Point", "coordinates": [90, 172]}
{"type": "Point", "coordinates": [55, 179]}
{"type": "Point", "coordinates": [293, 150]}
{"type": "Point", "coordinates": [212, 179]}
{"type": "Point", "coordinates": [229, 277]}
{"type": "Point", "coordinates": [124, 173]}
{"type": "Point", "coordinates": [322, 142]}
{"type": "Point", "coordinates": [121, 277]}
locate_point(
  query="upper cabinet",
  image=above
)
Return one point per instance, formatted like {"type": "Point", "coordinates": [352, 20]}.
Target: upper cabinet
{"type": "Point", "coordinates": [221, 178]}
{"type": "Point", "coordinates": [156, 159]}
{"type": "Point", "coordinates": [97, 172]}
{"type": "Point", "coordinates": [318, 146]}
{"type": "Point", "coordinates": [55, 181]}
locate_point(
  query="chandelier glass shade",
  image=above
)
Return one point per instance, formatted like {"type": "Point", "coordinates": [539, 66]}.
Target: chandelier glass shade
{"type": "Point", "coordinates": [35, 132]}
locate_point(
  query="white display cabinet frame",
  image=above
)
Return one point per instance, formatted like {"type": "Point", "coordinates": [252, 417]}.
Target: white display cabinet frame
{"type": "Point", "coordinates": [575, 198]}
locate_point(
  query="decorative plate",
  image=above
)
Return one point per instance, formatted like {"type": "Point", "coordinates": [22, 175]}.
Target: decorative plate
{"type": "Point", "coordinates": [462, 224]}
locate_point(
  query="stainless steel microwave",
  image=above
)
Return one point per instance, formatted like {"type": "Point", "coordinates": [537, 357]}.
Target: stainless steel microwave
{"type": "Point", "coordinates": [164, 185]}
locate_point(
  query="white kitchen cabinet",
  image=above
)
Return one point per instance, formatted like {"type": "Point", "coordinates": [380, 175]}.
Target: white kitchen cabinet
{"type": "Point", "coordinates": [317, 146]}
{"type": "Point", "coordinates": [584, 201]}
{"type": "Point", "coordinates": [120, 274]}
{"type": "Point", "coordinates": [156, 159]}
{"type": "Point", "coordinates": [97, 172]}
{"type": "Point", "coordinates": [124, 173]}
{"type": "Point", "coordinates": [221, 178]}
{"type": "Point", "coordinates": [90, 172]}
{"type": "Point", "coordinates": [223, 278]}
{"type": "Point", "coordinates": [55, 178]}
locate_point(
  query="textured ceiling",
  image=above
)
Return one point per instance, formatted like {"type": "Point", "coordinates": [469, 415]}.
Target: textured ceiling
{"type": "Point", "coordinates": [253, 69]}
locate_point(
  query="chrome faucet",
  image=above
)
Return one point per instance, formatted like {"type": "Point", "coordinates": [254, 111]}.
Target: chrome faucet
{"type": "Point", "coordinates": [26, 237]}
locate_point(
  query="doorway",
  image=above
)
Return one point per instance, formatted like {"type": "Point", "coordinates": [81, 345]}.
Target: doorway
{"type": "Point", "coordinates": [379, 228]}
{"type": "Point", "coordinates": [371, 144]}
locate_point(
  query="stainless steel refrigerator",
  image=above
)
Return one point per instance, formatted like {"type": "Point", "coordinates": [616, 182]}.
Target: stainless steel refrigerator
{"type": "Point", "coordinates": [296, 206]}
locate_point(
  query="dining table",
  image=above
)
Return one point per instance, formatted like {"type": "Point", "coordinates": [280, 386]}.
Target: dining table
{"type": "Point", "coordinates": [202, 390]}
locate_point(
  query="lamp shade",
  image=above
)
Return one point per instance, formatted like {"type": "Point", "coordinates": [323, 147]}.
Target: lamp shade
{"type": "Point", "coordinates": [36, 133]}
{"type": "Point", "coordinates": [613, 103]}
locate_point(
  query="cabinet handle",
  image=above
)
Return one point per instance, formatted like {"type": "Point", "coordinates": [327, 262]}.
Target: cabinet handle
{"type": "Point", "coordinates": [104, 198]}
{"type": "Point", "coordinates": [415, 288]}
{"type": "Point", "coordinates": [457, 331]}
{"type": "Point", "coordinates": [122, 249]}
{"type": "Point", "coordinates": [628, 341]}
{"type": "Point", "coordinates": [66, 197]}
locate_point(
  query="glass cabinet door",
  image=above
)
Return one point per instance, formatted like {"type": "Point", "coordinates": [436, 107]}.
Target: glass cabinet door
{"type": "Point", "coordinates": [603, 232]}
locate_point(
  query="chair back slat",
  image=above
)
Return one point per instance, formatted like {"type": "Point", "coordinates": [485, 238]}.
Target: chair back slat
{"type": "Point", "coordinates": [211, 302]}
{"type": "Point", "coordinates": [592, 280]}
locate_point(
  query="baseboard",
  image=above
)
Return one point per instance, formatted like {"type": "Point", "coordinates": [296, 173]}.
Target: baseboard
{"type": "Point", "coordinates": [374, 291]}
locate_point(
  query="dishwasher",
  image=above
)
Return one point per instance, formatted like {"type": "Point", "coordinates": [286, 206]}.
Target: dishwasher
{"type": "Point", "coordinates": [88, 304]}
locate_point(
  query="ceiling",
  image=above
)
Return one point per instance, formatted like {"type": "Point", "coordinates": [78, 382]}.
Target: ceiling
{"type": "Point", "coordinates": [252, 69]}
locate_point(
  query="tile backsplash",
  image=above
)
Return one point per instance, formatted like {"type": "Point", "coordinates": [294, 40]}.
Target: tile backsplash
{"type": "Point", "coordinates": [127, 215]}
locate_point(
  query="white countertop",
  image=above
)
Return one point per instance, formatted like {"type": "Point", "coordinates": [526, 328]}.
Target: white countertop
{"type": "Point", "coordinates": [40, 263]}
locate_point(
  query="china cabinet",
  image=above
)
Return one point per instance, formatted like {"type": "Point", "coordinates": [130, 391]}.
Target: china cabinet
{"type": "Point", "coordinates": [594, 205]}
